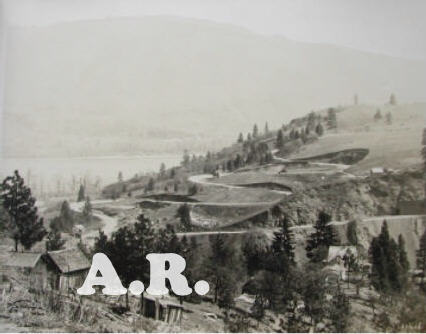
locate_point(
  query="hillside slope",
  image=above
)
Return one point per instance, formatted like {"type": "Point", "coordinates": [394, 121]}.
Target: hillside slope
{"type": "Point", "coordinates": [395, 145]}
{"type": "Point", "coordinates": [163, 84]}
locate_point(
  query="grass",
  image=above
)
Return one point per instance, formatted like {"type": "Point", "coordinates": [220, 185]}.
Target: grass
{"type": "Point", "coordinates": [395, 146]}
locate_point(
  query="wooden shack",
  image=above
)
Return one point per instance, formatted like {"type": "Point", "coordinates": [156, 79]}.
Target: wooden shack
{"type": "Point", "coordinates": [27, 267]}
{"type": "Point", "coordinates": [161, 309]}
{"type": "Point", "coordinates": [69, 268]}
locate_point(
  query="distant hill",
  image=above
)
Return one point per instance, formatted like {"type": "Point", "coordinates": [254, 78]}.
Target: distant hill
{"type": "Point", "coordinates": [395, 145]}
{"type": "Point", "coordinates": [162, 84]}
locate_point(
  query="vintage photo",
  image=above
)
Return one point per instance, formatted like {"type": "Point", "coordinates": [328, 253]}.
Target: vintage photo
{"type": "Point", "coordinates": [212, 166]}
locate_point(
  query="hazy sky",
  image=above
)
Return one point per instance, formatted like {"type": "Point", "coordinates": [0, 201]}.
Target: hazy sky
{"type": "Point", "coordinates": [391, 27]}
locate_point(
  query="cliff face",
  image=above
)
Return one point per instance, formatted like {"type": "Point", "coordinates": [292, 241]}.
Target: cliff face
{"type": "Point", "coordinates": [411, 227]}
{"type": "Point", "coordinates": [356, 198]}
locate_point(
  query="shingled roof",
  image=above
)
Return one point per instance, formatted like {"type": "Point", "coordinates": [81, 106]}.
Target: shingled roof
{"type": "Point", "coordinates": [22, 260]}
{"type": "Point", "coordinates": [69, 260]}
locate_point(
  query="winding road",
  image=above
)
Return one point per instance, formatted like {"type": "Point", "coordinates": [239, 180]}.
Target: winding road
{"type": "Point", "coordinates": [110, 223]}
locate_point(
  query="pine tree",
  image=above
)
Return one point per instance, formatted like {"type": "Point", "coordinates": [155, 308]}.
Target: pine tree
{"type": "Point", "coordinates": [240, 138]}
{"type": "Point", "coordinates": [255, 131]}
{"type": "Point", "coordinates": [392, 99]}
{"type": "Point", "coordinates": [255, 250]}
{"type": "Point", "coordinates": [25, 226]}
{"type": "Point", "coordinates": [332, 118]}
{"type": "Point", "coordinates": [313, 293]}
{"type": "Point", "coordinates": [351, 233]}
{"type": "Point", "coordinates": [403, 260]}
{"type": "Point", "coordinates": [162, 170]}
{"type": "Point", "coordinates": [220, 268]}
{"type": "Point", "coordinates": [120, 176]}
{"type": "Point", "coordinates": [184, 214]}
{"type": "Point", "coordinates": [266, 128]}
{"type": "Point", "coordinates": [54, 241]}
{"type": "Point", "coordinates": [323, 237]}
{"type": "Point", "coordinates": [280, 140]}
{"type": "Point", "coordinates": [282, 247]}
{"type": "Point", "coordinates": [339, 311]}
{"type": "Point", "coordinates": [87, 209]}
{"type": "Point", "coordinates": [378, 115]}
{"type": "Point", "coordinates": [127, 249]}
{"type": "Point", "coordinates": [421, 256]}
{"type": "Point", "coordinates": [81, 194]}
{"type": "Point", "coordinates": [389, 266]}
{"type": "Point", "coordinates": [319, 129]}
{"type": "Point", "coordinates": [101, 243]}
{"type": "Point", "coordinates": [150, 185]}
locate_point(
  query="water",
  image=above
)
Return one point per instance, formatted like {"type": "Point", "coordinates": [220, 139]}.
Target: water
{"type": "Point", "coordinates": [63, 175]}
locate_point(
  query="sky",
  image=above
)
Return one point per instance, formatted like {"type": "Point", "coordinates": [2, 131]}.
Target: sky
{"type": "Point", "coordinates": [391, 27]}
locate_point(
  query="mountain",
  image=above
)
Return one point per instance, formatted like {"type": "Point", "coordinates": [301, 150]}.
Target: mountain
{"type": "Point", "coordinates": [162, 84]}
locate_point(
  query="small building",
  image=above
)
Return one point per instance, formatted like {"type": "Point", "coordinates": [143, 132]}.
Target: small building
{"type": "Point", "coordinates": [377, 171]}
{"type": "Point", "coordinates": [335, 267]}
{"type": "Point", "coordinates": [69, 268]}
{"type": "Point", "coordinates": [337, 253]}
{"type": "Point", "coordinates": [162, 309]}
{"type": "Point", "coordinates": [27, 267]}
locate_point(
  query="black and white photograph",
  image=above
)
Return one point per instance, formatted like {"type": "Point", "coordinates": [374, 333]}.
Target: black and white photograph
{"type": "Point", "coordinates": [212, 166]}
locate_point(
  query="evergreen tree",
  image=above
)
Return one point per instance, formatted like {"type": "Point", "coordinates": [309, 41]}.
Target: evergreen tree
{"type": "Point", "coordinates": [162, 170]}
{"type": "Point", "coordinates": [378, 115]}
{"type": "Point", "coordinates": [167, 241]}
{"type": "Point", "coordinates": [313, 293]}
{"type": "Point", "coordinates": [350, 263]}
{"type": "Point", "coordinates": [220, 268]}
{"type": "Point", "coordinates": [87, 209]}
{"type": "Point", "coordinates": [184, 214]}
{"type": "Point", "coordinates": [240, 138]}
{"type": "Point", "coordinates": [266, 128]}
{"type": "Point", "coordinates": [255, 131]}
{"type": "Point", "coordinates": [258, 307]}
{"type": "Point", "coordinates": [120, 176]}
{"type": "Point", "coordinates": [151, 184]}
{"type": "Point", "coordinates": [101, 243]}
{"type": "Point", "coordinates": [323, 237]}
{"type": "Point", "coordinates": [65, 221]}
{"type": "Point", "coordinates": [421, 257]}
{"type": "Point", "coordinates": [339, 311]}
{"type": "Point", "coordinates": [54, 241]}
{"type": "Point", "coordinates": [25, 226]}
{"type": "Point", "coordinates": [81, 194]}
{"type": "Point", "coordinates": [332, 118]}
{"type": "Point", "coordinates": [388, 271]}
{"type": "Point", "coordinates": [403, 260]}
{"type": "Point", "coordinates": [351, 233]}
{"type": "Point", "coordinates": [282, 248]}
{"type": "Point", "coordinates": [186, 159]}
{"type": "Point", "coordinates": [319, 129]}
{"type": "Point", "coordinates": [249, 137]}
{"type": "Point", "coordinates": [127, 249]}
{"type": "Point", "coordinates": [280, 140]}
{"type": "Point", "coordinates": [255, 250]}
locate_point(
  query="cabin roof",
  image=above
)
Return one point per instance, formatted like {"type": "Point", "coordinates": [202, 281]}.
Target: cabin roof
{"type": "Point", "coordinates": [69, 260]}
{"type": "Point", "coordinates": [340, 251]}
{"type": "Point", "coordinates": [22, 260]}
